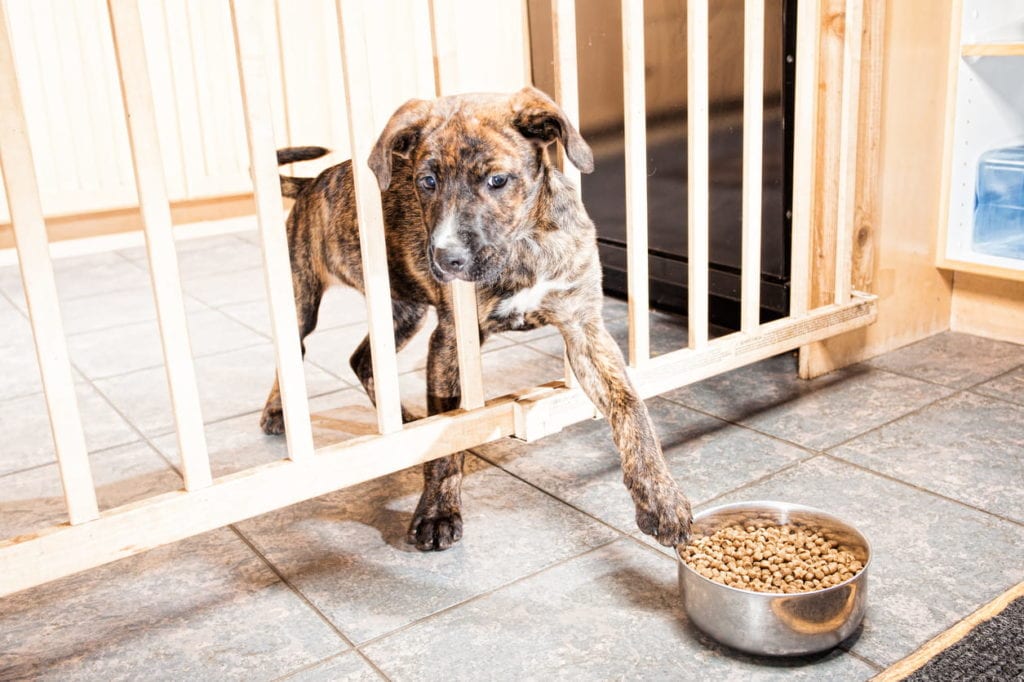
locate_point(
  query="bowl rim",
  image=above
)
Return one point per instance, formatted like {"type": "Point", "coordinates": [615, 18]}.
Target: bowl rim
{"type": "Point", "coordinates": [776, 505]}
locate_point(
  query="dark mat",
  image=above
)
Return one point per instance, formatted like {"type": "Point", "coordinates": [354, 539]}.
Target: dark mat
{"type": "Point", "coordinates": [993, 650]}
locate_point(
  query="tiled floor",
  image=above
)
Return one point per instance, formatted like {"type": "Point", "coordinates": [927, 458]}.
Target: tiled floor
{"type": "Point", "coordinates": [921, 448]}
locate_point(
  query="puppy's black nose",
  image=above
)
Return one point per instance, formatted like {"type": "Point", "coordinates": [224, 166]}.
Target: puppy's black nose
{"type": "Point", "coordinates": [453, 260]}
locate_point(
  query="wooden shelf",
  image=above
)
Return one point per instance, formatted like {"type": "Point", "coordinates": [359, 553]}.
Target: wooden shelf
{"type": "Point", "coordinates": [992, 50]}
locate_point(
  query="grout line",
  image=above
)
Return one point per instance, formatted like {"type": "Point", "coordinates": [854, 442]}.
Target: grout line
{"type": "Point", "coordinates": [288, 583]}
{"type": "Point", "coordinates": [100, 451]}
{"type": "Point", "coordinates": [487, 593]}
{"type": "Point", "coordinates": [292, 673]}
{"type": "Point", "coordinates": [761, 479]}
{"type": "Point", "coordinates": [879, 427]}
{"type": "Point", "coordinates": [863, 659]}
{"type": "Point", "coordinates": [921, 489]}
{"type": "Point", "coordinates": [747, 427]}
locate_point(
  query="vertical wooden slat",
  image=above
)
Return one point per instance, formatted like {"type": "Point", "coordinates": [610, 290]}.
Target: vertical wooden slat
{"type": "Point", "coordinates": [276, 265]}
{"type": "Point", "coordinates": [563, 34]}
{"type": "Point", "coordinates": [363, 132]}
{"type": "Point", "coordinates": [848, 138]}
{"type": "Point", "coordinates": [156, 219]}
{"type": "Point", "coordinates": [697, 169]}
{"type": "Point", "coordinates": [467, 330]}
{"type": "Point", "coordinates": [804, 152]}
{"type": "Point", "coordinates": [635, 124]}
{"type": "Point", "coordinates": [753, 134]}
{"type": "Point", "coordinates": [30, 238]}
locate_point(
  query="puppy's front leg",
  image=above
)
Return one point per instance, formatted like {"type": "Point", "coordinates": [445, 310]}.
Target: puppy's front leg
{"type": "Point", "coordinates": [661, 508]}
{"type": "Point", "coordinates": [437, 522]}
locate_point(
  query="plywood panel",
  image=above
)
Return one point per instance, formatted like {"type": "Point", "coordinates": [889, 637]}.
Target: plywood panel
{"type": "Point", "coordinates": [988, 307]}
{"type": "Point", "coordinates": [914, 296]}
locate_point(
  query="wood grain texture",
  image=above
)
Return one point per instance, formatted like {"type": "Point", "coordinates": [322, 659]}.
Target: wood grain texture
{"type": "Point", "coordinates": [893, 257]}
{"type": "Point", "coordinates": [41, 293]}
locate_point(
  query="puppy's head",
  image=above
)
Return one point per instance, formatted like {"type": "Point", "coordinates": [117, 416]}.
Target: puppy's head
{"type": "Point", "coordinates": [477, 164]}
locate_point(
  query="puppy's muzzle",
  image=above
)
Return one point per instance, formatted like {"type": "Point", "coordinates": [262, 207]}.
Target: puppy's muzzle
{"type": "Point", "coordinates": [450, 262]}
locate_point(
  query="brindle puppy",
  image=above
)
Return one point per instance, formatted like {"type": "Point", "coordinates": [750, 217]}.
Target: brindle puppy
{"type": "Point", "coordinates": [468, 193]}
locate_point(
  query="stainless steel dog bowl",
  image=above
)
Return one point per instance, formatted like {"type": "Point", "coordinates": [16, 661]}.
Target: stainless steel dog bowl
{"type": "Point", "coordinates": [769, 623]}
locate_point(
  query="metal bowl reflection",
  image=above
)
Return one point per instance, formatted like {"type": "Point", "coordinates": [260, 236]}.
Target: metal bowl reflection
{"type": "Point", "coordinates": [769, 623]}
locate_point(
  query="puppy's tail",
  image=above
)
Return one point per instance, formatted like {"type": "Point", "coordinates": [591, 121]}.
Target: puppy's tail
{"type": "Point", "coordinates": [292, 187]}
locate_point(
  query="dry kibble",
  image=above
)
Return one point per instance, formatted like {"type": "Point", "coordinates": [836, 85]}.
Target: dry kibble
{"type": "Point", "coordinates": [764, 558]}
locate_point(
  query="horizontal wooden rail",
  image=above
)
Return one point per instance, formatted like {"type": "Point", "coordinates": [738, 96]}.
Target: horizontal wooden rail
{"type": "Point", "coordinates": [549, 409]}
{"type": "Point", "coordinates": [993, 50]}
{"type": "Point", "coordinates": [39, 557]}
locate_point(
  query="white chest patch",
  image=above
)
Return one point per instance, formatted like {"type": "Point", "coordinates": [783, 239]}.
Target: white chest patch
{"type": "Point", "coordinates": [527, 300]}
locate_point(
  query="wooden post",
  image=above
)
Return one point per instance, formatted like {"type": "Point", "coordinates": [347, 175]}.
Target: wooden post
{"type": "Point", "coordinates": [753, 152]}
{"type": "Point", "coordinates": [137, 96]}
{"type": "Point", "coordinates": [276, 265]}
{"type": "Point", "coordinates": [563, 36]}
{"type": "Point", "coordinates": [804, 153]}
{"type": "Point", "coordinates": [467, 329]}
{"type": "Point", "coordinates": [635, 123]}
{"type": "Point", "coordinates": [697, 169]}
{"type": "Point", "coordinates": [30, 239]}
{"type": "Point", "coordinates": [848, 138]}
{"type": "Point", "coordinates": [363, 132]}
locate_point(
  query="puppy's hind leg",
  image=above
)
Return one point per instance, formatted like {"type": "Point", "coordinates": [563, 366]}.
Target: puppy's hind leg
{"type": "Point", "coordinates": [308, 293]}
{"type": "Point", "coordinates": [408, 318]}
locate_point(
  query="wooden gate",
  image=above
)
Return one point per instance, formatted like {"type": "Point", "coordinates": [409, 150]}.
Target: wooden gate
{"type": "Point", "coordinates": [91, 537]}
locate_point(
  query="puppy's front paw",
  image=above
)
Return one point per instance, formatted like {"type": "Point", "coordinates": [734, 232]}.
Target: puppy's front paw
{"type": "Point", "coordinates": [666, 517]}
{"type": "Point", "coordinates": [272, 421]}
{"type": "Point", "coordinates": [435, 531]}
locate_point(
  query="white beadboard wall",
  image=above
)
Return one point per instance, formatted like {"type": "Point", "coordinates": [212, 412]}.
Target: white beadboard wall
{"type": "Point", "coordinates": [64, 55]}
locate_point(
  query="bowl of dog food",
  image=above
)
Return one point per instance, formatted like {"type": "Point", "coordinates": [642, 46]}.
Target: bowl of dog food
{"type": "Point", "coordinates": [774, 579]}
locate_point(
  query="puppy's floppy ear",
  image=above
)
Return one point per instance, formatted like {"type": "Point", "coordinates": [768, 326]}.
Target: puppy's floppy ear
{"type": "Point", "coordinates": [538, 118]}
{"type": "Point", "coordinates": [400, 136]}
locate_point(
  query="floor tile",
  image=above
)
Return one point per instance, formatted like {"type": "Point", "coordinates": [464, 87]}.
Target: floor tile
{"type": "Point", "coordinates": [230, 384]}
{"type": "Point", "coordinates": [332, 349]}
{"type": "Point", "coordinates": [506, 370]}
{"type": "Point", "coordinates": [770, 397]}
{"type": "Point", "coordinates": [611, 614]}
{"type": "Point", "coordinates": [120, 350]}
{"type": "Point", "coordinates": [32, 500]}
{"type": "Point", "coordinates": [228, 287]}
{"type": "Point", "coordinates": [1009, 386]}
{"type": "Point", "coordinates": [346, 667]}
{"type": "Point", "coordinates": [707, 457]}
{"type": "Point", "coordinates": [347, 552]}
{"type": "Point", "coordinates": [14, 326]}
{"type": "Point", "coordinates": [216, 255]}
{"type": "Point", "coordinates": [667, 333]}
{"type": "Point", "coordinates": [968, 447]}
{"type": "Point", "coordinates": [82, 276]}
{"type": "Point", "coordinates": [19, 369]}
{"type": "Point", "coordinates": [934, 561]}
{"type": "Point", "coordinates": [239, 443]}
{"type": "Point", "coordinates": [203, 608]}
{"type": "Point", "coordinates": [114, 309]}
{"type": "Point", "coordinates": [339, 307]}
{"type": "Point", "coordinates": [953, 359]}
{"type": "Point", "coordinates": [25, 423]}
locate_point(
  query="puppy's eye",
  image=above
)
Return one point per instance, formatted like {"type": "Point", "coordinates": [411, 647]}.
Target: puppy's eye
{"type": "Point", "coordinates": [428, 182]}
{"type": "Point", "coordinates": [497, 181]}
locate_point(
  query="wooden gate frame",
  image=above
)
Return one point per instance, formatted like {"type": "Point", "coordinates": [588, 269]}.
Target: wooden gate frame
{"type": "Point", "coordinates": [92, 537]}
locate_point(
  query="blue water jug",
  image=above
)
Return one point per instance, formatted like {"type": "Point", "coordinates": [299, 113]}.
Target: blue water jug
{"type": "Point", "coordinates": [999, 203]}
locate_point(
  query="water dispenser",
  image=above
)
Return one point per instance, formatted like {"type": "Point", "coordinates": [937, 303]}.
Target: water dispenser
{"type": "Point", "coordinates": [999, 203]}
